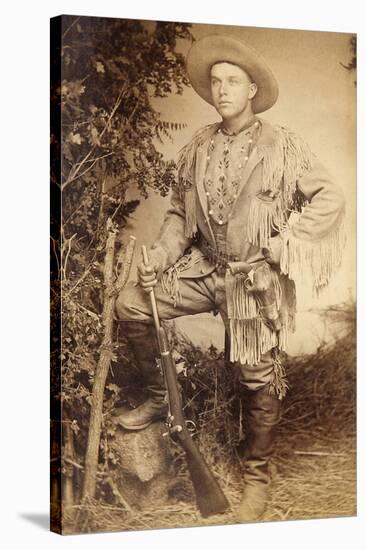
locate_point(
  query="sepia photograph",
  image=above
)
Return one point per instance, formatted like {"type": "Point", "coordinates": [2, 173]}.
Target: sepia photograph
{"type": "Point", "coordinates": [203, 274]}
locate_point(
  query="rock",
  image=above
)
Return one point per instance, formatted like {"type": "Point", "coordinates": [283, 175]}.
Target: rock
{"type": "Point", "coordinates": [146, 471]}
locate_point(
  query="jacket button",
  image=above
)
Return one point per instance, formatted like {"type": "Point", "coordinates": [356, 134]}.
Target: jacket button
{"type": "Point", "coordinates": [236, 258]}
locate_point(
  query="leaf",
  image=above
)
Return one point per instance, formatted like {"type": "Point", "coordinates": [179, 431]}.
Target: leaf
{"type": "Point", "coordinates": [113, 388]}
{"type": "Point", "coordinates": [99, 67]}
{"type": "Point", "coordinates": [75, 138]}
{"type": "Point", "coordinates": [94, 136]}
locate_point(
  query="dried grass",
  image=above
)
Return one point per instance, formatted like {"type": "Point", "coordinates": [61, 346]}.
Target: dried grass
{"type": "Point", "coordinates": [314, 463]}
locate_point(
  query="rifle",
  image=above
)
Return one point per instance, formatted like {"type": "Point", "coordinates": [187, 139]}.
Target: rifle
{"type": "Point", "coordinates": [209, 497]}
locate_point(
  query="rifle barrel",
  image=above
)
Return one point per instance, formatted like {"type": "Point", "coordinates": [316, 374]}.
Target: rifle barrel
{"type": "Point", "coordinates": [209, 497]}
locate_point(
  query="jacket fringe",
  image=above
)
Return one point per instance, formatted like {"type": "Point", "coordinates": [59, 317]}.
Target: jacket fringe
{"type": "Point", "coordinates": [278, 384]}
{"type": "Point", "coordinates": [284, 163]}
{"type": "Point", "coordinates": [170, 284]}
{"type": "Point", "coordinates": [240, 303]}
{"type": "Point", "coordinates": [250, 337]}
{"type": "Point", "coordinates": [264, 218]}
{"type": "Point", "coordinates": [170, 279]}
{"type": "Point", "coordinates": [317, 260]}
{"type": "Point", "coordinates": [186, 167]}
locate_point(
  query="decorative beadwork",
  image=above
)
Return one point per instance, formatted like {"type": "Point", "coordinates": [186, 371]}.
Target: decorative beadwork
{"type": "Point", "coordinates": [223, 173]}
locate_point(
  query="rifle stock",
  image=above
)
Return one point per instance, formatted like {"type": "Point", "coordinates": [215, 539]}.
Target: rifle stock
{"type": "Point", "coordinates": [209, 497]}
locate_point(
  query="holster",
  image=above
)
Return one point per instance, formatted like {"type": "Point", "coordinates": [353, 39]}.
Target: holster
{"type": "Point", "coordinates": [263, 284]}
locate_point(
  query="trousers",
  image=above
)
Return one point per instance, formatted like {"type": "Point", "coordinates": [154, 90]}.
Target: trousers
{"type": "Point", "coordinates": [196, 295]}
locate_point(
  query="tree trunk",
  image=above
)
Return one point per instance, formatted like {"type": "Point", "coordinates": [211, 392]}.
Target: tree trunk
{"type": "Point", "coordinates": [101, 372]}
{"type": "Point", "coordinates": [68, 470]}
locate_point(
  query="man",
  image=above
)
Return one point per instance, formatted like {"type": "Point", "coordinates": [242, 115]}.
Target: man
{"type": "Point", "coordinates": [253, 214]}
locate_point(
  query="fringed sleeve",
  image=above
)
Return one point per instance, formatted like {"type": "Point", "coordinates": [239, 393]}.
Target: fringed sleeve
{"type": "Point", "coordinates": [297, 182]}
{"type": "Point", "coordinates": [313, 245]}
{"type": "Point", "coordinates": [171, 240]}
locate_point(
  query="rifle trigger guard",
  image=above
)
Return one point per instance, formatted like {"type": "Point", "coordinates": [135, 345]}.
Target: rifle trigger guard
{"type": "Point", "coordinates": [191, 426]}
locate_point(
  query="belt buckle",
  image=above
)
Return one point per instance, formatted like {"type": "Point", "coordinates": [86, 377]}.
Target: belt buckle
{"type": "Point", "coordinates": [221, 264]}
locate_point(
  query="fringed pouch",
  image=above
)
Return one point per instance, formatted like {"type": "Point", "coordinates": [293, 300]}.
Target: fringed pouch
{"type": "Point", "coordinates": [251, 334]}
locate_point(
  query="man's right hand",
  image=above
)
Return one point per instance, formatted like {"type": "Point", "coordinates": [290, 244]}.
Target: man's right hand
{"type": "Point", "coordinates": [148, 274]}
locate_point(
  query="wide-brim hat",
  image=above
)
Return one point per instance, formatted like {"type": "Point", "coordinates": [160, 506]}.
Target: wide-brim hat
{"type": "Point", "coordinates": [219, 49]}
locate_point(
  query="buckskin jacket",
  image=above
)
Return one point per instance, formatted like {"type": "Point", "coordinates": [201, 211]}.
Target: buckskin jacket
{"type": "Point", "coordinates": [281, 177]}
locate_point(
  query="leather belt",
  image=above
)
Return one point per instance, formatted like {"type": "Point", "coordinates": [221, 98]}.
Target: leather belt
{"type": "Point", "coordinates": [214, 256]}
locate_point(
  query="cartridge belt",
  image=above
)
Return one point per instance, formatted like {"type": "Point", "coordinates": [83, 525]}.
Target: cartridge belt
{"type": "Point", "coordinates": [217, 258]}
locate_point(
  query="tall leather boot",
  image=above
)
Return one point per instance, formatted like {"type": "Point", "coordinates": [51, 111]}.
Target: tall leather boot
{"type": "Point", "coordinates": [141, 337]}
{"type": "Point", "coordinates": [263, 414]}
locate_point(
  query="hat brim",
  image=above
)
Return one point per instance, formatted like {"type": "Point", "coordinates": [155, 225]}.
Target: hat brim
{"type": "Point", "coordinates": [219, 49]}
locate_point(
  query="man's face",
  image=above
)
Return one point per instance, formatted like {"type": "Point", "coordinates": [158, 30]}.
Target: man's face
{"type": "Point", "coordinates": [231, 89]}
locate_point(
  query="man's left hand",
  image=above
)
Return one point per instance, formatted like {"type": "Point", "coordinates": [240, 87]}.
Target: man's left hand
{"type": "Point", "coordinates": [273, 254]}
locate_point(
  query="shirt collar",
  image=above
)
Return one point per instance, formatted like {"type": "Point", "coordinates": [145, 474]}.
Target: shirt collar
{"type": "Point", "coordinates": [246, 126]}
